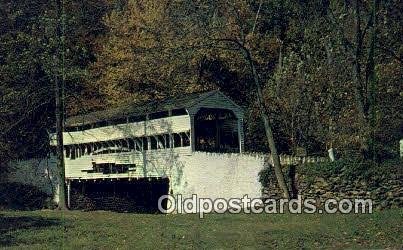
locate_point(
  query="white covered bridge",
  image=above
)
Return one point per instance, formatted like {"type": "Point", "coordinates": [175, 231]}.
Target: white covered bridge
{"type": "Point", "coordinates": [187, 145]}
{"type": "Point", "coordinates": [193, 143]}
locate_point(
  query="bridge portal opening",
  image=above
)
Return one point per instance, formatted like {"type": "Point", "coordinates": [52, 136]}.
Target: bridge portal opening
{"type": "Point", "coordinates": [119, 195]}
{"type": "Point", "coordinates": [216, 130]}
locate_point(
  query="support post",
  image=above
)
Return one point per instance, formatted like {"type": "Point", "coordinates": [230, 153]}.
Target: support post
{"type": "Point", "coordinates": [170, 138]}
{"type": "Point", "coordinates": [68, 194]}
{"type": "Point", "coordinates": [240, 135]}
{"type": "Point", "coordinates": [192, 133]}
{"type": "Point", "coordinates": [217, 132]}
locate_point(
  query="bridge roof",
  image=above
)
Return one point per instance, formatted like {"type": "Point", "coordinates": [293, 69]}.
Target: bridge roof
{"type": "Point", "coordinates": [136, 109]}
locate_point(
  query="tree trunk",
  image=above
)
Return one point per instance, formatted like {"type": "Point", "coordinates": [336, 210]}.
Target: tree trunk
{"type": "Point", "coordinates": [359, 98]}
{"type": "Point", "coordinates": [268, 130]}
{"type": "Point", "coordinates": [59, 111]}
{"type": "Point", "coordinates": [365, 103]}
{"type": "Point", "coordinates": [372, 83]}
{"type": "Point", "coordinates": [358, 84]}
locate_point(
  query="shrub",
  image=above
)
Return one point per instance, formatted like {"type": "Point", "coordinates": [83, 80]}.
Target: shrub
{"type": "Point", "coordinates": [266, 176]}
{"type": "Point", "coordinates": [352, 169]}
{"type": "Point", "coordinates": [22, 196]}
{"type": "Point", "coordinates": [348, 169]}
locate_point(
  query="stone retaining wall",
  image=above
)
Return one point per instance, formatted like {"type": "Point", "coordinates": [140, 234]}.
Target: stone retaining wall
{"type": "Point", "coordinates": [386, 191]}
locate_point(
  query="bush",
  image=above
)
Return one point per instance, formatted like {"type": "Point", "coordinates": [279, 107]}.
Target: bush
{"type": "Point", "coordinates": [322, 169]}
{"type": "Point", "coordinates": [352, 169]}
{"type": "Point", "coordinates": [348, 169]}
{"type": "Point", "coordinates": [266, 176]}
{"type": "Point", "coordinates": [22, 196]}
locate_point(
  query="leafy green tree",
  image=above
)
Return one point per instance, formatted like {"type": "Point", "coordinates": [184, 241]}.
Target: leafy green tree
{"type": "Point", "coordinates": [27, 68]}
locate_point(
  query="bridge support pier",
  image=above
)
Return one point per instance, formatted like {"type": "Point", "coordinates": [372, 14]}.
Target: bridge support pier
{"type": "Point", "coordinates": [68, 194]}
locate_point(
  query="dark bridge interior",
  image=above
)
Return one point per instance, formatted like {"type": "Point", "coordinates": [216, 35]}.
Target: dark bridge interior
{"type": "Point", "coordinates": [119, 196]}
{"type": "Point", "coordinates": [216, 130]}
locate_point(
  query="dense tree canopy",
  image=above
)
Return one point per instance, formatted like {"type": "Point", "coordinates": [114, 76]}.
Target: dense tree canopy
{"type": "Point", "coordinates": [27, 68]}
{"type": "Point", "coordinates": [331, 71]}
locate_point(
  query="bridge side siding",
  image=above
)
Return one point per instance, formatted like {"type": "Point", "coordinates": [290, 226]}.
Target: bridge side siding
{"type": "Point", "coordinates": [173, 124]}
{"type": "Point", "coordinates": [149, 163]}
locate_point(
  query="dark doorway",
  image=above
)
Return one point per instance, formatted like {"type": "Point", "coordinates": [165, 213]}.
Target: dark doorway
{"type": "Point", "coordinates": [216, 130]}
{"type": "Point", "coordinates": [119, 195]}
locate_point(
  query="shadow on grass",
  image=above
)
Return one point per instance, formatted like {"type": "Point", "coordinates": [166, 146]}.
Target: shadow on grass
{"type": "Point", "coordinates": [10, 224]}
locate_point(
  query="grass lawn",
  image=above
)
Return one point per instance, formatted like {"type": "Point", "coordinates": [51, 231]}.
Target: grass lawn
{"type": "Point", "coordinates": [108, 230]}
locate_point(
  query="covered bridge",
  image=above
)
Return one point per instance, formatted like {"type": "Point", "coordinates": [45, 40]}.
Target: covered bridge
{"type": "Point", "coordinates": [166, 141]}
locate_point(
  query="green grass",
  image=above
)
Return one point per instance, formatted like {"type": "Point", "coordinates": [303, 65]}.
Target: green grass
{"type": "Point", "coordinates": [108, 230]}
